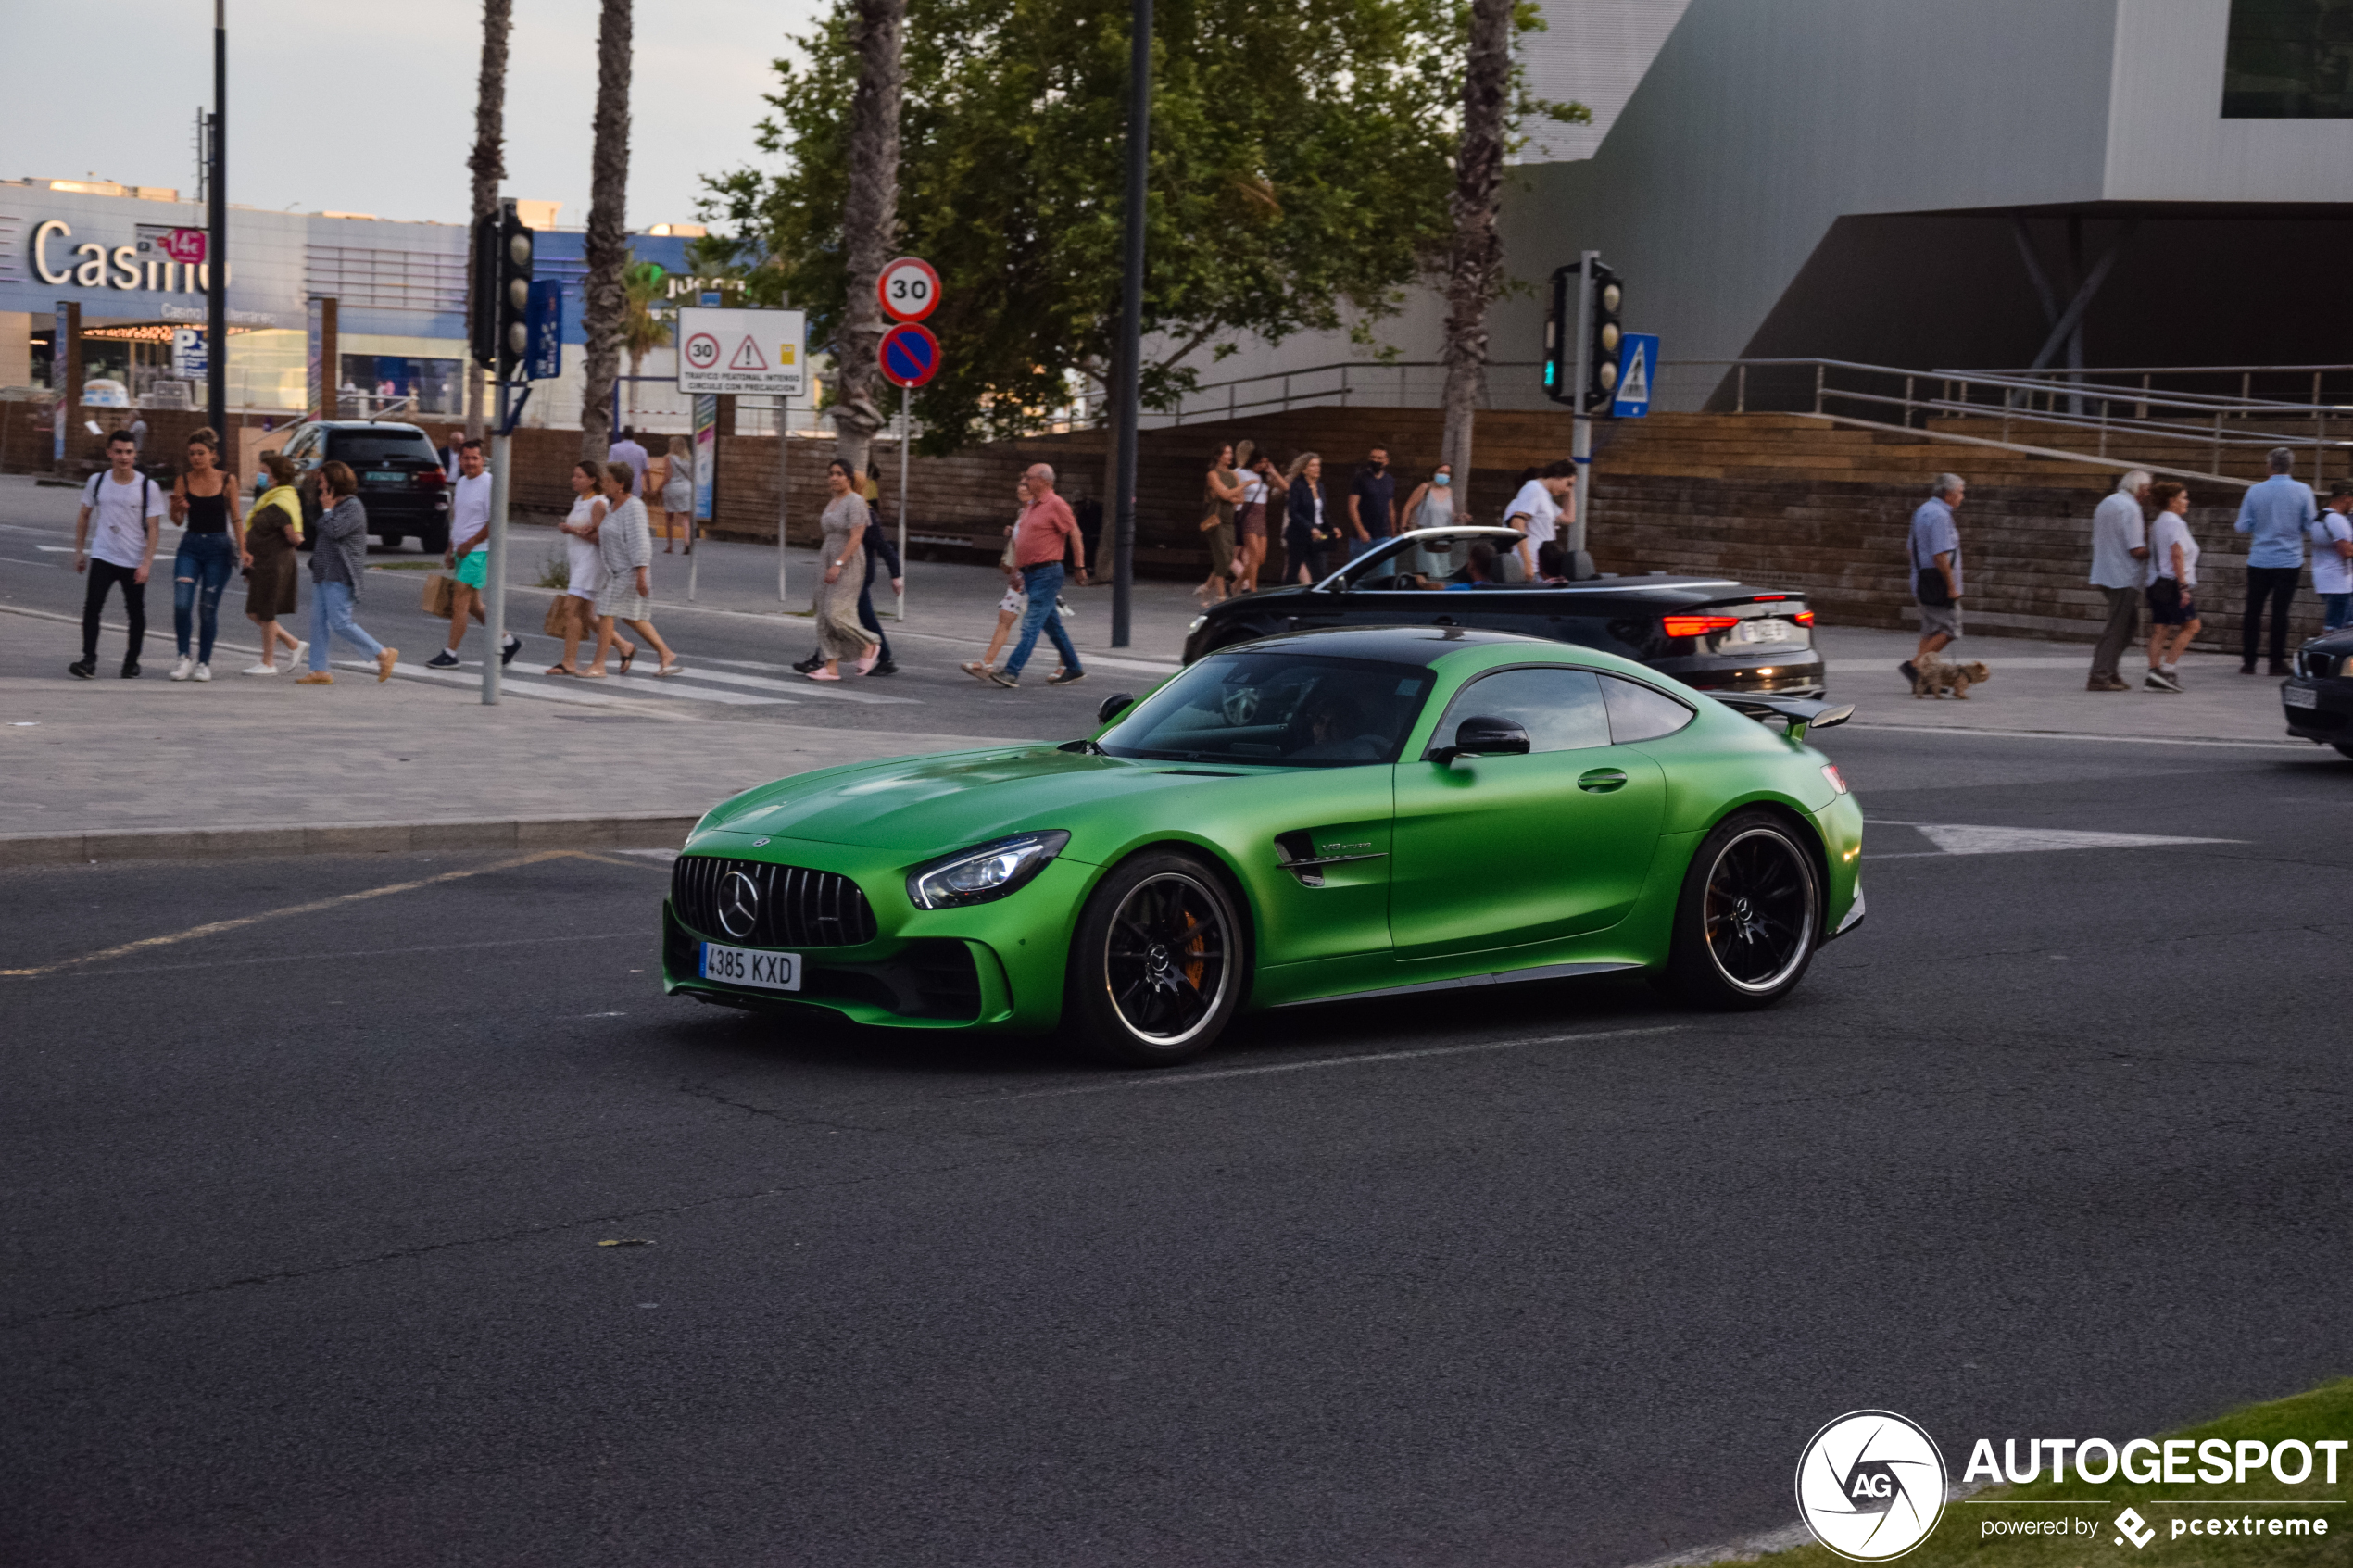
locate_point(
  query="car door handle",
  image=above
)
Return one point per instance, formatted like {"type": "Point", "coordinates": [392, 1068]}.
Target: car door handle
{"type": "Point", "coordinates": [1601, 781]}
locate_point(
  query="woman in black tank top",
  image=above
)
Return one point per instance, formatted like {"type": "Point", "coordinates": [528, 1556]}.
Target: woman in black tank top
{"type": "Point", "coordinates": [209, 553]}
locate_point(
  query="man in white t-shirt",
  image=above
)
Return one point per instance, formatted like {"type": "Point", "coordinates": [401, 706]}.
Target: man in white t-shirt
{"type": "Point", "coordinates": [128, 508]}
{"type": "Point", "coordinates": [469, 553]}
{"type": "Point", "coordinates": [626, 450]}
{"type": "Point", "coordinates": [1538, 509]}
{"type": "Point", "coordinates": [2333, 558]}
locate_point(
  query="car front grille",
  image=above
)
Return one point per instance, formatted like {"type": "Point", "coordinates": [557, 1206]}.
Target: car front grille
{"type": "Point", "coordinates": [798, 907]}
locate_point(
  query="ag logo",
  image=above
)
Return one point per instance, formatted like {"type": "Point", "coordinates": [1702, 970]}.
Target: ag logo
{"type": "Point", "coordinates": [1871, 1486]}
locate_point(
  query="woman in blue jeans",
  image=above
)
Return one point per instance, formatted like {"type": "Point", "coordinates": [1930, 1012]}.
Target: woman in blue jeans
{"type": "Point", "coordinates": [209, 552]}
{"type": "Point", "coordinates": [338, 560]}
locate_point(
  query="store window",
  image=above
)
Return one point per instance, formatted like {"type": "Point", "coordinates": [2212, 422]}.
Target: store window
{"type": "Point", "coordinates": [375, 383]}
{"type": "Point", "coordinates": [2289, 59]}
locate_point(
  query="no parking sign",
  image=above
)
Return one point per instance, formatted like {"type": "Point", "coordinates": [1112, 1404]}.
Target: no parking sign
{"type": "Point", "coordinates": [910, 354]}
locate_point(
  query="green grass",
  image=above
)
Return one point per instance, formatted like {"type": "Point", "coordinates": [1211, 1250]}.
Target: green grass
{"type": "Point", "coordinates": [1958, 1538]}
{"type": "Point", "coordinates": [404, 566]}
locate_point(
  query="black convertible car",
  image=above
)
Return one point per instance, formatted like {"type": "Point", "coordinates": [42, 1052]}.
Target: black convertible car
{"type": "Point", "coordinates": [1706, 632]}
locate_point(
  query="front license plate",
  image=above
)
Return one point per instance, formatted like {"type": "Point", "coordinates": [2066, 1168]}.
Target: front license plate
{"type": "Point", "coordinates": [394, 478]}
{"type": "Point", "coordinates": [1768, 630]}
{"type": "Point", "coordinates": [2300, 696]}
{"type": "Point", "coordinates": [749, 966]}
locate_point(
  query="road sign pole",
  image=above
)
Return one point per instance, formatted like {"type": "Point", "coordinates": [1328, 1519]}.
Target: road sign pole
{"type": "Point", "coordinates": [784, 489]}
{"type": "Point", "coordinates": [494, 593]}
{"type": "Point", "coordinates": [906, 439]}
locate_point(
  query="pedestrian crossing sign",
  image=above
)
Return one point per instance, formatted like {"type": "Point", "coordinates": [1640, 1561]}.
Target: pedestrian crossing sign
{"type": "Point", "coordinates": [1637, 363]}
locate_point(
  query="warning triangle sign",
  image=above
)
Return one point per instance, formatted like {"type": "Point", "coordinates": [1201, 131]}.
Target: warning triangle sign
{"type": "Point", "coordinates": [1636, 385]}
{"type": "Point", "coordinates": [748, 357]}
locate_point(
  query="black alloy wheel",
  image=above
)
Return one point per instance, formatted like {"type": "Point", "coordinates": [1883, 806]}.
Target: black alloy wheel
{"type": "Point", "coordinates": [1157, 969]}
{"type": "Point", "coordinates": [1750, 918]}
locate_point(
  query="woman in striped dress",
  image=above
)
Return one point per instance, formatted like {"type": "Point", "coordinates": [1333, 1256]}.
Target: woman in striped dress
{"type": "Point", "coordinates": [626, 545]}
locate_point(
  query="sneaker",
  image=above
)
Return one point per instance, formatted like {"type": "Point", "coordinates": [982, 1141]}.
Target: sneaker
{"type": "Point", "coordinates": [84, 670]}
{"type": "Point", "coordinates": [806, 665]}
{"type": "Point", "coordinates": [130, 669]}
{"type": "Point", "coordinates": [888, 667]}
{"type": "Point", "coordinates": [1066, 677]}
{"type": "Point", "coordinates": [2105, 684]}
{"type": "Point", "coordinates": [513, 646]}
{"type": "Point", "coordinates": [182, 669]}
{"type": "Point", "coordinates": [1908, 670]}
{"type": "Point", "coordinates": [2279, 667]}
{"type": "Point", "coordinates": [445, 659]}
{"type": "Point", "coordinates": [2157, 681]}
{"type": "Point", "coordinates": [1004, 678]}
{"type": "Point", "coordinates": [260, 669]}
{"type": "Point", "coordinates": [315, 677]}
{"type": "Point", "coordinates": [293, 659]}
{"type": "Point", "coordinates": [201, 673]}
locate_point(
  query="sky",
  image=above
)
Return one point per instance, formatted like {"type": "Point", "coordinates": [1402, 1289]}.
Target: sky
{"type": "Point", "coordinates": [360, 106]}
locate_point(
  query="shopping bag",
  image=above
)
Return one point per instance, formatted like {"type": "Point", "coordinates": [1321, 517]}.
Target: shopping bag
{"type": "Point", "coordinates": [438, 593]}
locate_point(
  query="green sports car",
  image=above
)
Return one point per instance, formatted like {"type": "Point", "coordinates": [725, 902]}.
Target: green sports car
{"type": "Point", "coordinates": [1324, 815]}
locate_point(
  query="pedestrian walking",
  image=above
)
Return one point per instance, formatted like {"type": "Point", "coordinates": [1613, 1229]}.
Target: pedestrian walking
{"type": "Point", "coordinates": [2120, 546]}
{"type": "Point", "coordinates": [1372, 503]}
{"type": "Point", "coordinates": [584, 569]}
{"type": "Point", "coordinates": [628, 449]}
{"type": "Point", "coordinates": [338, 565]}
{"type": "Point", "coordinates": [2276, 514]}
{"type": "Point", "coordinates": [1046, 533]}
{"type": "Point", "coordinates": [212, 543]}
{"type": "Point", "coordinates": [468, 552]}
{"type": "Point", "coordinates": [272, 542]}
{"type": "Point", "coordinates": [626, 546]}
{"type": "Point", "coordinates": [1221, 493]}
{"type": "Point", "coordinates": [2333, 558]}
{"type": "Point", "coordinates": [882, 566]}
{"type": "Point", "coordinates": [128, 508]}
{"type": "Point", "coordinates": [845, 522]}
{"type": "Point", "coordinates": [1935, 553]}
{"type": "Point", "coordinates": [1536, 509]}
{"type": "Point", "coordinates": [676, 488]}
{"type": "Point", "coordinates": [1011, 608]}
{"type": "Point", "coordinates": [1308, 530]}
{"type": "Point", "coordinates": [1250, 516]}
{"type": "Point", "coordinates": [2172, 590]}
{"type": "Point", "coordinates": [1430, 505]}
{"type": "Point", "coordinates": [139, 437]}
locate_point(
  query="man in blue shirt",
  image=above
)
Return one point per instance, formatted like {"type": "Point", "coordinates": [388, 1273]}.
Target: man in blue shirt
{"type": "Point", "coordinates": [1935, 549]}
{"type": "Point", "coordinates": [2276, 512]}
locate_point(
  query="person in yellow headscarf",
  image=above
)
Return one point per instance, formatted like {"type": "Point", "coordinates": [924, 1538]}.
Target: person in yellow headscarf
{"type": "Point", "coordinates": [274, 533]}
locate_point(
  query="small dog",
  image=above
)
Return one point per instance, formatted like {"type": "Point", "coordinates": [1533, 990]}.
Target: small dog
{"type": "Point", "coordinates": [1936, 677]}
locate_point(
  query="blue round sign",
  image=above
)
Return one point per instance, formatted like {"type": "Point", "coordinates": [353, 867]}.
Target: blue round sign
{"type": "Point", "coordinates": [910, 354]}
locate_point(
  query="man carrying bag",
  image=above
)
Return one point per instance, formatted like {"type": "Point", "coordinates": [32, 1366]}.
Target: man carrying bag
{"type": "Point", "coordinates": [1936, 569]}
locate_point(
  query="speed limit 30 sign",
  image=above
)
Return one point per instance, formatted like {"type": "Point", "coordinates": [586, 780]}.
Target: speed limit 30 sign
{"type": "Point", "coordinates": [909, 289]}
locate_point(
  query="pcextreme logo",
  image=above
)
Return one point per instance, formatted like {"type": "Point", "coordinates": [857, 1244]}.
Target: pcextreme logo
{"type": "Point", "coordinates": [1871, 1486]}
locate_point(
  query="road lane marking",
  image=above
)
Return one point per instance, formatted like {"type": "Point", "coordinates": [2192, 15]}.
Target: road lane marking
{"type": "Point", "coordinates": [1955, 838]}
{"type": "Point", "coordinates": [214, 928]}
{"type": "Point", "coordinates": [2070, 735]}
{"type": "Point", "coordinates": [374, 953]}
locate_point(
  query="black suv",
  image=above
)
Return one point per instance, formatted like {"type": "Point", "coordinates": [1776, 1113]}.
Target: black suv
{"type": "Point", "coordinates": [2317, 699]}
{"type": "Point", "coordinates": [401, 482]}
{"type": "Point", "coordinates": [1706, 632]}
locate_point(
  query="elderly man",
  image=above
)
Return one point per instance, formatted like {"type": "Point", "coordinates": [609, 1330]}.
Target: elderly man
{"type": "Point", "coordinates": [1045, 530]}
{"type": "Point", "coordinates": [2120, 544]}
{"type": "Point", "coordinates": [1936, 569]}
{"type": "Point", "coordinates": [2277, 513]}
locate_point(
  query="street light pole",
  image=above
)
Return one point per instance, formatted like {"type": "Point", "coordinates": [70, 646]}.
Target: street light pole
{"type": "Point", "coordinates": [1127, 394]}
{"type": "Point", "coordinates": [216, 335]}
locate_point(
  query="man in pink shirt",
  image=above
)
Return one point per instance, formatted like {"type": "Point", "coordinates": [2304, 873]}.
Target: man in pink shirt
{"type": "Point", "coordinates": [1047, 530]}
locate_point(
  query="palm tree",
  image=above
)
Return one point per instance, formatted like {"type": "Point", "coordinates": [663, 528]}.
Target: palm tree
{"type": "Point", "coordinates": [1475, 263]}
{"type": "Point", "coordinates": [606, 306]}
{"type": "Point", "coordinates": [488, 163]}
{"type": "Point", "coordinates": [869, 221]}
{"type": "Point", "coordinates": [641, 331]}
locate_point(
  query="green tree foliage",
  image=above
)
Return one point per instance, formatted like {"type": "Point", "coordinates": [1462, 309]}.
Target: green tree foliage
{"type": "Point", "coordinates": [1300, 166]}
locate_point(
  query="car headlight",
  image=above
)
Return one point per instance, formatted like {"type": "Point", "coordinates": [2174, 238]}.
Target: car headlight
{"type": "Point", "coordinates": [976, 876]}
{"type": "Point", "coordinates": [1198, 622]}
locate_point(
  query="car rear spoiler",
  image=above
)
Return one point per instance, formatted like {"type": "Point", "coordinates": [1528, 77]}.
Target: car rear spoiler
{"type": "Point", "coordinates": [1799, 713]}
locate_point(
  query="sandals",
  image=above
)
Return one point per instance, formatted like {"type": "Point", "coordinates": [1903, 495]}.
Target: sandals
{"type": "Point", "coordinates": [626, 658]}
{"type": "Point", "coordinates": [562, 669]}
{"type": "Point", "coordinates": [673, 668]}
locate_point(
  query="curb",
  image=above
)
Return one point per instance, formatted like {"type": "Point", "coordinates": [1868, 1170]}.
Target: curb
{"type": "Point", "coordinates": [647, 830]}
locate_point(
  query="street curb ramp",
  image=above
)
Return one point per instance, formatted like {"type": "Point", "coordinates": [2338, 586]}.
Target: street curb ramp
{"type": "Point", "coordinates": [647, 830]}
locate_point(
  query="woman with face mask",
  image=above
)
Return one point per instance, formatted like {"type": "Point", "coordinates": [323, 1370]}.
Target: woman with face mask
{"type": "Point", "coordinates": [1432, 506]}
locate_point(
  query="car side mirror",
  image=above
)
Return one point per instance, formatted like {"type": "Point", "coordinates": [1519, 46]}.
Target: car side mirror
{"type": "Point", "coordinates": [1113, 705]}
{"type": "Point", "coordinates": [1483, 736]}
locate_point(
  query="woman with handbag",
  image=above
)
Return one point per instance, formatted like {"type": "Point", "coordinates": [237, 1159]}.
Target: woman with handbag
{"type": "Point", "coordinates": [338, 563]}
{"type": "Point", "coordinates": [1309, 530]}
{"type": "Point", "coordinates": [627, 547]}
{"type": "Point", "coordinates": [1220, 491]}
{"type": "Point", "coordinates": [274, 534]}
{"type": "Point", "coordinates": [1249, 517]}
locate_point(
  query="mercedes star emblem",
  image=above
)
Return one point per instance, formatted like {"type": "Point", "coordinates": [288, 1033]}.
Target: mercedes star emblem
{"type": "Point", "coordinates": [738, 904]}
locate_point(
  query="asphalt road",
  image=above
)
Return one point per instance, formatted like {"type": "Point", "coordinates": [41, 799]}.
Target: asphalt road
{"type": "Point", "coordinates": [302, 1217]}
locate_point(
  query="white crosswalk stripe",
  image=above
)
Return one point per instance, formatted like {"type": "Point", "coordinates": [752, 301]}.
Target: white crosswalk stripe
{"type": "Point", "coordinates": [793, 682]}
{"type": "Point", "coordinates": [461, 677]}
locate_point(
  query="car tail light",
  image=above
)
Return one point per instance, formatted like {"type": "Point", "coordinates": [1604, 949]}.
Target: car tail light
{"type": "Point", "coordinates": [431, 478]}
{"type": "Point", "coordinates": [1838, 780]}
{"type": "Point", "coordinates": [1697, 625]}
{"type": "Point", "coordinates": [1803, 618]}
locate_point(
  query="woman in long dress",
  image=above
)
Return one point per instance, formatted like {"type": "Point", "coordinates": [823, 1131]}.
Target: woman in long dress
{"type": "Point", "coordinates": [838, 635]}
{"type": "Point", "coordinates": [273, 533]}
{"type": "Point", "coordinates": [627, 547]}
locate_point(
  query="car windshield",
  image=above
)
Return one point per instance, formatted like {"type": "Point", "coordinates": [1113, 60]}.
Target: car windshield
{"type": "Point", "coordinates": [358, 447]}
{"type": "Point", "coordinates": [1430, 561]}
{"type": "Point", "coordinates": [1283, 709]}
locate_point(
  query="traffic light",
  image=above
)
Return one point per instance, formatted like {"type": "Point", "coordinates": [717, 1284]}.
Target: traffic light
{"type": "Point", "coordinates": [1604, 331]}
{"type": "Point", "coordinates": [497, 315]}
{"type": "Point", "coordinates": [1560, 336]}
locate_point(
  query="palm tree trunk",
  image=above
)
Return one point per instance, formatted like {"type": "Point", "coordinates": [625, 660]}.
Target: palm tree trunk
{"type": "Point", "coordinates": [488, 163]}
{"type": "Point", "coordinates": [606, 293]}
{"type": "Point", "coordinates": [1475, 263]}
{"type": "Point", "coordinates": [869, 222]}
